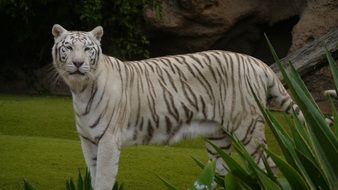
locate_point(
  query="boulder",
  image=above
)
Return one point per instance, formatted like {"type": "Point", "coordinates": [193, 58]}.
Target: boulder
{"type": "Point", "coordinates": [237, 25]}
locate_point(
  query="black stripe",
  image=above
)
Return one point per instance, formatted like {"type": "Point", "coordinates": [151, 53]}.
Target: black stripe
{"type": "Point", "coordinates": [203, 107]}
{"type": "Point", "coordinates": [249, 131]}
{"type": "Point", "coordinates": [188, 112]}
{"type": "Point", "coordinates": [171, 80]}
{"type": "Point", "coordinates": [148, 64]}
{"type": "Point", "coordinates": [227, 147]}
{"type": "Point", "coordinates": [169, 105]}
{"type": "Point", "coordinates": [168, 124]}
{"type": "Point", "coordinates": [197, 60]}
{"type": "Point", "coordinates": [188, 66]}
{"type": "Point", "coordinates": [212, 153]}
{"type": "Point", "coordinates": [202, 83]}
{"type": "Point", "coordinates": [209, 65]}
{"type": "Point", "coordinates": [88, 139]}
{"type": "Point", "coordinates": [93, 93]}
{"type": "Point", "coordinates": [138, 104]}
{"type": "Point", "coordinates": [186, 87]}
{"type": "Point", "coordinates": [96, 122]}
{"type": "Point", "coordinates": [102, 94]}
{"type": "Point", "coordinates": [98, 138]}
{"type": "Point", "coordinates": [141, 124]}
{"type": "Point", "coordinates": [213, 138]}
{"type": "Point", "coordinates": [180, 73]}
{"type": "Point", "coordinates": [170, 65]}
{"type": "Point", "coordinates": [150, 131]}
{"type": "Point", "coordinates": [152, 108]}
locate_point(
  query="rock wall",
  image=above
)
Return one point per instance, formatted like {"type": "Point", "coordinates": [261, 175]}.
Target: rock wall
{"type": "Point", "coordinates": [237, 25]}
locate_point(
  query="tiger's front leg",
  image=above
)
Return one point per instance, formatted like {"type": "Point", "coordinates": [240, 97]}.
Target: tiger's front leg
{"type": "Point", "coordinates": [89, 150]}
{"type": "Point", "coordinates": [107, 161]}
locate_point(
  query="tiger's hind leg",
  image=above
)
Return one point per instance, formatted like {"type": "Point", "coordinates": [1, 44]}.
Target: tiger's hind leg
{"type": "Point", "coordinates": [254, 140]}
{"type": "Point", "coordinates": [224, 142]}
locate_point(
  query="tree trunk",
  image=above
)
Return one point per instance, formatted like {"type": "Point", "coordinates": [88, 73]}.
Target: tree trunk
{"type": "Point", "coordinates": [312, 55]}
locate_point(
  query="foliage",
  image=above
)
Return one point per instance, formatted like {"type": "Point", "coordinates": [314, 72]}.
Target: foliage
{"type": "Point", "coordinates": [309, 150]}
{"type": "Point", "coordinates": [127, 27]}
{"type": "Point", "coordinates": [26, 26]}
{"type": "Point", "coordinates": [27, 185]}
{"type": "Point", "coordinates": [312, 148]}
{"type": "Point", "coordinates": [203, 182]}
{"type": "Point", "coordinates": [82, 183]}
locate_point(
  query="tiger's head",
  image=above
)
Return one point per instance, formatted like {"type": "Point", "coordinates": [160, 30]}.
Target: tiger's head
{"type": "Point", "coordinates": [76, 55]}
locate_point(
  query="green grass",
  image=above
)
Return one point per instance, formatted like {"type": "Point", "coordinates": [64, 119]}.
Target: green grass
{"type": "Point", "coordinates": [37, 116]}
{"type": "Point", "coordinates": [45, 162]}
{"type": "Point", "coordinates": [38, 142]}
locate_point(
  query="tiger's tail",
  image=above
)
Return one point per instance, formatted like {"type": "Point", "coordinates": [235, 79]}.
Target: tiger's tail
{"type": "Point", "coordinates": [281, 98]}
{"type": "Point", "coordinates": [333, 94]}
{"type": "Point", "coordinates": [330, 93]}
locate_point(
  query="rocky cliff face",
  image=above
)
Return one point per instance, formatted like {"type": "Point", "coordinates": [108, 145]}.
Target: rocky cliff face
{"type": "Point", "coordinates": [238, 25]}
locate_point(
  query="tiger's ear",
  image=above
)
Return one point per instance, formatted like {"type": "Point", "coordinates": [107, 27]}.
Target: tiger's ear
{"type": "Point", "coordinates": [57, 30]}
{"type": "Point", "coordinates": [97, 32]}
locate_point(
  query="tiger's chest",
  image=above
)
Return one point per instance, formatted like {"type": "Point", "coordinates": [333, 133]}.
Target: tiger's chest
{"type": "Point", "coordinates": [92, 126]}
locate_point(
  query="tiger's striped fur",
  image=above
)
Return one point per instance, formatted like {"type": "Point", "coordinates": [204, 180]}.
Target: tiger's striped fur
{"type": "Point", "coordinates": [162, 100]}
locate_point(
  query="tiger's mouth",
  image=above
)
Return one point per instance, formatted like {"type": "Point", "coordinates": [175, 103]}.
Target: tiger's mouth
{"type": "Point", "coordinates": [76, 73]}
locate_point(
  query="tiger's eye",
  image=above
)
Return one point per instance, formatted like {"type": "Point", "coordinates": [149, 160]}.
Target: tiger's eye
{"type": "Point", "coordinates": [87, 48]}
{"type": "Point", "coordinates": [69, 48]}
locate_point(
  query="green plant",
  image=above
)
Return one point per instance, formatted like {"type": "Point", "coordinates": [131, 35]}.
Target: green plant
{"type": "Point", "coordinates": [124, 23]}
{"type": "Point", "coordinates": [309, 149]}
{"type": "Point", "coordinates": [82, 183]}
{"type": "Point", "coordinates": [27, 185]}
{"type": "Point", "coordinates": [204, 180]}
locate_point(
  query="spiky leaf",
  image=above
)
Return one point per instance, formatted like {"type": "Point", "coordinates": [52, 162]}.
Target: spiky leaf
{"type": "Point", "coordinates": [206, 178]}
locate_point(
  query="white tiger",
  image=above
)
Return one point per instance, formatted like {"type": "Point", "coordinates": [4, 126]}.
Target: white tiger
{"type": "Point", "coordinates": [162, 100]}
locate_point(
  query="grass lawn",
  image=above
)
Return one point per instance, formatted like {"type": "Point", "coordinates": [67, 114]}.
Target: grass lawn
{"type": "Point", "coordinates": [38, 142]}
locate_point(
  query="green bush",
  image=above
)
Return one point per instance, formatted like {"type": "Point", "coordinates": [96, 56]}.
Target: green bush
{"type": "Point", "coordinates": [309, 149]}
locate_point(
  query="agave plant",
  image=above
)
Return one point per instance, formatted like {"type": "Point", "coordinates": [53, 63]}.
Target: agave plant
{"type": "Point", "coordinates": [311, 150]}
{"type": "Point", "coordinates": [203, 182]}
{"type": "Point", "coordinates": [82, 183]}
{"type": "Point", "coordinates": [310, 159]}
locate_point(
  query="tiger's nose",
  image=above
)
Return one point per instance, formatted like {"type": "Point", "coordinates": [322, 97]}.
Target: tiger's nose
{"type": "Point", "coordinates": [78, 63]}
